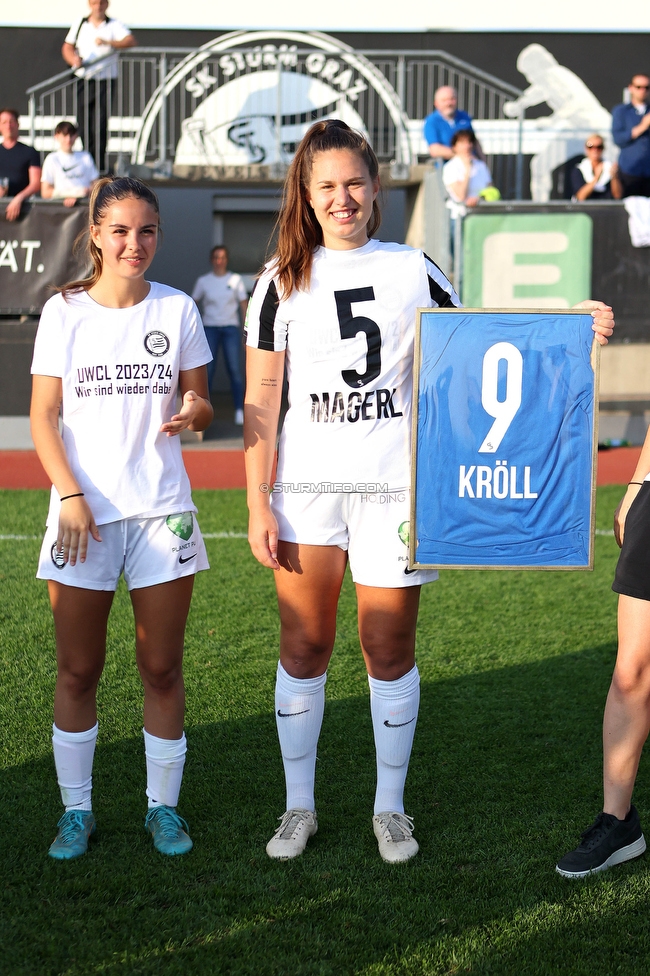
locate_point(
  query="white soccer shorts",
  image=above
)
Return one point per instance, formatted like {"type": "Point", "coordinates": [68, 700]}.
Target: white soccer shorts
{"type": "Point", "coordinates": [148, 551]}
{"type": "Point", "coordinates": [372, 527]}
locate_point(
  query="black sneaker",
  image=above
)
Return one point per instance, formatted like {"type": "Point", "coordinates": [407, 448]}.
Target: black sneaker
{"type": "Point", "coordinates": [607, 842]}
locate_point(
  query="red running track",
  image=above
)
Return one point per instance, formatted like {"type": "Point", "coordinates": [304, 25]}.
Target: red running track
{"type": "Point", "coordinates": [206, 469]}
{"type": "Point", "coordinates": [225, 469]}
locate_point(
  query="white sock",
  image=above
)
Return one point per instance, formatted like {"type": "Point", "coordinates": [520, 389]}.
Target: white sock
{"type": "Point", "coordinates": [165, 761]}
{"type": "Point", "coordinates": [299, 706]}
{"type": "Point", "coordinates": [394, 708]}
{"type": "Point", "coordinates": [73, 759]}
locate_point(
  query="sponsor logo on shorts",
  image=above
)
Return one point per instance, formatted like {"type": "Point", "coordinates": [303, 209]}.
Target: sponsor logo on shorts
{"type": "Point", "coordinates": [181, 525]}
{"type": "Point", "coordinates": [186, 559]}
{"type": "Point", "coordinates": [384, 498]}
{"type": "Point", "coordinates": [57, 557]}
{"type": "Point", "coordinates": [403, 533]}
{"type": "Point", "coordinates": [156, 343]}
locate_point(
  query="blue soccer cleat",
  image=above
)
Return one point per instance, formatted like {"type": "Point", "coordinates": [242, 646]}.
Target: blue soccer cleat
{"type": "Point", "coordinates": [169, 831]}
{"type": "Point", "coordinates": [75, 827]}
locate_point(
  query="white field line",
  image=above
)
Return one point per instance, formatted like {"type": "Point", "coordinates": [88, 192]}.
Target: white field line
{"type": "Point", "coordinates": [206, 535]}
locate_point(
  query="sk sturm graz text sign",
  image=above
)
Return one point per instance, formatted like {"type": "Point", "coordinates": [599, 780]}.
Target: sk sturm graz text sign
{"type": "Point", "coordinates": [247, 98]}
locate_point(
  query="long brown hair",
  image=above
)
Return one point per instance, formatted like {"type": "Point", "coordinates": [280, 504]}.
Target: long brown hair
{"type": "Point", "coordinates": [299, 233]}
{"type": "Point", "coordinates": [104, 194]}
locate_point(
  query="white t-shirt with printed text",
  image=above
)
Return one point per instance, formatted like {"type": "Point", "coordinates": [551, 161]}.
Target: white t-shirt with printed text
{"type": "Point", "coordinates": [349, 359]}
{"type": "Point", "coordinates": [219, 297]}
{"type": "Point", "coordinates": [119, 369]}
{"type": "Point", "coordinates": [71, 174]}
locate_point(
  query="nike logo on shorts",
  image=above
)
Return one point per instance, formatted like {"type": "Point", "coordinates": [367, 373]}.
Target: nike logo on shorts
{"type": "Point", "coordinates": [389, 725]}
{"type": "Point", "coordinates": [407, 571]}
{"type": "Point", "coordinates": [186, 559]}
{"type": "Point", "coordinates": [289, 714]}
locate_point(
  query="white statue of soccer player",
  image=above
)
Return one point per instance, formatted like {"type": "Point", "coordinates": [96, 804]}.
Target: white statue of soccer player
{"type": "Point", "coordinates": [575, 109]}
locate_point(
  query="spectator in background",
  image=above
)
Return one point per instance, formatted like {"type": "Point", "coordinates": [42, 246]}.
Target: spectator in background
{"type": "Point", "coordinates": [441, 124]}
{"type": "Point", "coordinates": [90, 48]}
{"type": "Point", "coordinates": [631, 131]}
{"type": "Point", "coordinates": [222, 298]}
{"type": "Point", "coordinates": [67, 175]}
{"type": "Point", "coordinates": [595, 178]}
{"type": "Point", "coordinates": [464, 175]}
{"type": "Point", "coordinates": [20, 165]}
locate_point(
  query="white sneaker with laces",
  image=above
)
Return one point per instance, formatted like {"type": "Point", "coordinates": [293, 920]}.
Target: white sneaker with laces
{"type": "Point", "coordinates": [394, 833]}
{"type": "Point", "coordinates": [290, 839]}
{"type": "Point", "coordinates": [239, 417]}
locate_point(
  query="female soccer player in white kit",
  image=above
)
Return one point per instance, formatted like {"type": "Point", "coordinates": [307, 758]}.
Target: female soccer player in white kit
{"type": "Point", "coordinates": [337, 309]}
{"type": "Point", "coordinates": [111, 352]}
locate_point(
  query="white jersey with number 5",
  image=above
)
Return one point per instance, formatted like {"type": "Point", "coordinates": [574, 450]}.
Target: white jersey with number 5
{"type": "Point", "coordinates": [349, 359]}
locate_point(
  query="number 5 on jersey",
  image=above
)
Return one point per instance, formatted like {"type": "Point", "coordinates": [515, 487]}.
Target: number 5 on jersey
{"type": "Point", "coordinates": [350, 325]}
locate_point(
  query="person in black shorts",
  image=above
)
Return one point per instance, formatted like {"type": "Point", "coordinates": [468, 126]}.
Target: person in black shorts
{"type": "Point", "coordinates": [615, 835]}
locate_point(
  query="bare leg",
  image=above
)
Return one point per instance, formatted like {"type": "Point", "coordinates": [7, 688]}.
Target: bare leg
{"type": "Point", "coordinates": [627, 712]}
{"type": "Point", "coordinates": [160, 616]}
{"type": "Point", "coordinates": [387, 622]}
{"type": "Point", "coordinates": [80, 618]}
{"type": "Point", "coordinates": [308, 586]}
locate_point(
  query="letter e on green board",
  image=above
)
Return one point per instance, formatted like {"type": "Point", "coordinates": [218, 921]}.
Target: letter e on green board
{"type": "Point", "coordinates": [526, 260]}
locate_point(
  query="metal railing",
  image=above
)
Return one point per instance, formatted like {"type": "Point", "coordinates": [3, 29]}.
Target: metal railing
{"type": "Point", "coordinates": [141, 72]}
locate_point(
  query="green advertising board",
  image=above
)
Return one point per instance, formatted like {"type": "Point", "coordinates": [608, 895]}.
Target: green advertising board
{"type": "Point", "coordinates": [526, 260]}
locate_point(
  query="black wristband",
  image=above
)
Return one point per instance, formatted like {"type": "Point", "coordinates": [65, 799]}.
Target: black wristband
{"type": "Point", "coordinates": [77, 494]}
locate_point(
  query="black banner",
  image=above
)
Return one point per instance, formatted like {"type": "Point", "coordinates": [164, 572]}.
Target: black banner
{"type": "Point", "coordinates": [36, 254]}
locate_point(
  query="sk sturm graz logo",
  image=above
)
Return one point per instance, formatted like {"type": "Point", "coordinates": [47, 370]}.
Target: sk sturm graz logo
{"type": "Point", "coordinates": [254, 94]}
{"type": "Point", "coordinates": [57, 557]}
{"type": "Point", "coordinates": [237, 123]}
{"type": "Point", "coordinates": [403, 532]}
{"type": "Point", "coordinates": [156, 343]}
{"type": "Point", "coordinates": [181, 525]}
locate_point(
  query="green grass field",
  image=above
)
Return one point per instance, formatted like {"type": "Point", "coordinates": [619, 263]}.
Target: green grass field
{"type": "Point", "coordinates": [505, 773]}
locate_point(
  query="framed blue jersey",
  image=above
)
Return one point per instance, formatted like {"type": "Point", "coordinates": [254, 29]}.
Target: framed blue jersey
{"type": "Point", "coordinates": [504, 439]}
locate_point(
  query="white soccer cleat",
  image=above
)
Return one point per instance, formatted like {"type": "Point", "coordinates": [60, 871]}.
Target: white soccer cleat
{"type": "Point", "coordinates": [290, 839]}
{"type": "Point", "coordinates": [394, 833]}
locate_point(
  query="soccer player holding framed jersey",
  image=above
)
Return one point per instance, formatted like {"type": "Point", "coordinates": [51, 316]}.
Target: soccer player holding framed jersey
{"type": "Point", "coordinates": [337, 309]}
{"type": "Point", "coordinates": [111, 352]}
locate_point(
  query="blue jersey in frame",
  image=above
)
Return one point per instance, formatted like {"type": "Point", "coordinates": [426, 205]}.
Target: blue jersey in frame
{"type": "Point", "coordinates": [504, 440]}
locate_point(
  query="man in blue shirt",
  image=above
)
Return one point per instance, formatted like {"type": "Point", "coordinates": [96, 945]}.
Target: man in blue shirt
{"type": "Point", "coordinates": [447, 118]}
{"type": "Point", "coordinates": [631, 131]}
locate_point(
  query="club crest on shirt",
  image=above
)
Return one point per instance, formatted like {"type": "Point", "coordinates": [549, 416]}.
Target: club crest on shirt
{"type": "Point", "coordinates": [57, 557]}
{"type": "Point", "coordinates": [403, 532]}
{"type": "Point", "coordinates": [181, 525]}
{"type": "Point", "coordinates": [156, 343]}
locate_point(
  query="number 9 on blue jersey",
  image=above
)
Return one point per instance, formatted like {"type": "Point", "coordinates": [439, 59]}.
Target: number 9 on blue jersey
{"type": "Point", "coordinates": [504, 439]}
